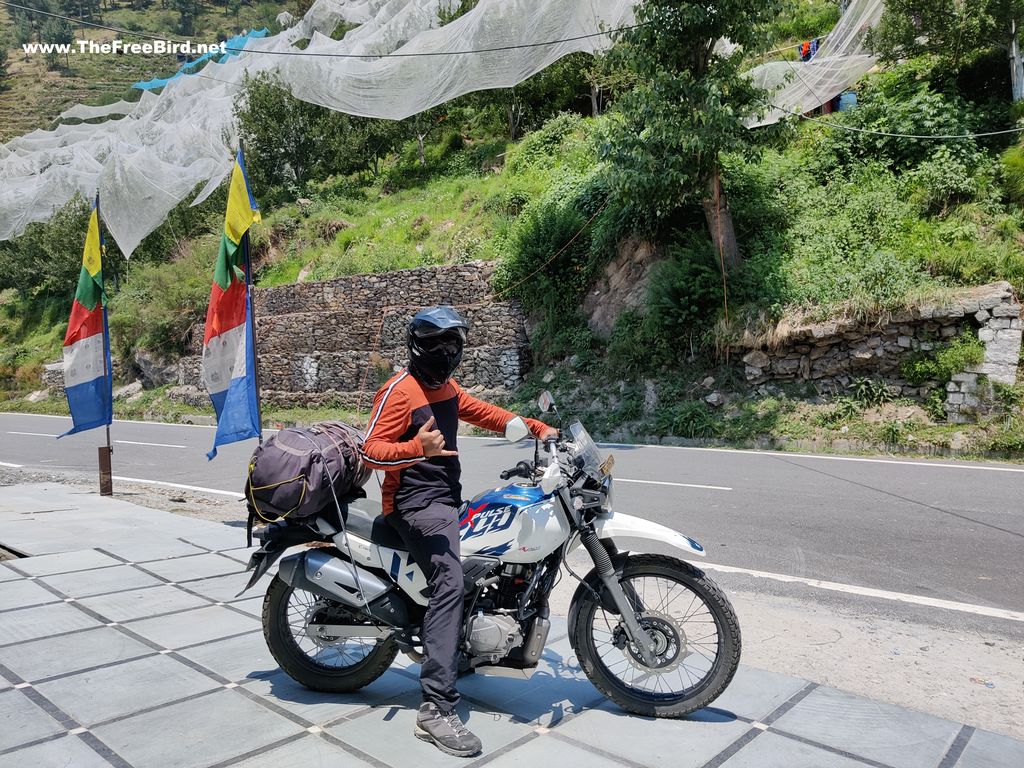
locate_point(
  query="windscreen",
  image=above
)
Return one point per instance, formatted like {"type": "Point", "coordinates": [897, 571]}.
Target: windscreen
{"type": "Point", "coordinates": [587, 449]}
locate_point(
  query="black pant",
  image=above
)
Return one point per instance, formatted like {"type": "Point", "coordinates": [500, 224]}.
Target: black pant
{"type": "Point", "coordinates": [431, 535]}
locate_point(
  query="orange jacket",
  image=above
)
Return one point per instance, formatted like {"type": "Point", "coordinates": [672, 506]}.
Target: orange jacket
{"type": "Point", "coordinates": [401, 407]}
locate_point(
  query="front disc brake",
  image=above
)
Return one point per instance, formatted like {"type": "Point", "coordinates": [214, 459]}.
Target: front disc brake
{"type": "Point", "coordinates": [669, 642]}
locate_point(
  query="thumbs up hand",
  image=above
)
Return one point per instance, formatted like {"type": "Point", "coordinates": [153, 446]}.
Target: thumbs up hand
{"type": "Point", "coordinates": [433, 441]}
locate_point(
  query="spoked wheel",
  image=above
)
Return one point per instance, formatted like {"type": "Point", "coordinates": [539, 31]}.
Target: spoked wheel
{"type": "Point", "coordinates": [691, 623]}
{"type": "Point", "coordinates": [317, 660]}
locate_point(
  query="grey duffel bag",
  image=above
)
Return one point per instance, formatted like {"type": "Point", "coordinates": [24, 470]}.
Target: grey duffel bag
{"type": "Point", "coordinates": [291, 474]}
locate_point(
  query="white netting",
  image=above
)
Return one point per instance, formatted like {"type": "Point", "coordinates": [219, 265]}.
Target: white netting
{"type": "Point", "coordinates": [800, 86]}
{"type": "Point", "coordinates": [85, 112]}
{"type": "Point", "coordinates": [151, 159]}
{"type": "Point", "coordinates": [148, 161]}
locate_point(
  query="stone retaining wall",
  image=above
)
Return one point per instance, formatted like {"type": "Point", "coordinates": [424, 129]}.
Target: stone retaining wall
{"type": "Point", "coordinates": [328, 341]}
{"type": "Point", "coordinates": [834, 353]}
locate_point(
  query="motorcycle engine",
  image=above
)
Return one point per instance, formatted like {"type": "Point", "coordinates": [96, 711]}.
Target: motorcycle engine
{"type": "Point", "coordinates": [493, 635]}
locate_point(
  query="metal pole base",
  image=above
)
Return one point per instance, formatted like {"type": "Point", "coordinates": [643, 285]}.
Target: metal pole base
{"type": "Point", "coordinates": [106, 479]}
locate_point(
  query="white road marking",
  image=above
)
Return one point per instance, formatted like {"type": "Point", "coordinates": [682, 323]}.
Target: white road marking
{"type": "Point", "coordinates": [8, 464]}
{"type": "Point", "coordinates": [34, 434]}
{"type": "Point", "coordinates": [180, 485]}
{"type": "Point", "coordinates": [680, 485]}
{"type": "Point", "coordinates": [787, 454]}
{"type": "Point", "coordinates": [851, 589]}
{"type": "Point", "coordinates": [158, 445]}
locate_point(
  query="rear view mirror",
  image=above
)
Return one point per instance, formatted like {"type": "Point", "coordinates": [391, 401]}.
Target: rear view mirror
{"type": "Point", "coordinates": [516, 430]}
{"type": "Point", "coordinates": [546, 402]}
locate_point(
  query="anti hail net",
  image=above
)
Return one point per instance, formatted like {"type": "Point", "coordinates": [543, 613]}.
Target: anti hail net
{"type": "Point", "coordinates": [152, 158]}
{"type": "Point", "coordinates": [149, 156]}
{"type": "Point", "coordinates": [800, 86]}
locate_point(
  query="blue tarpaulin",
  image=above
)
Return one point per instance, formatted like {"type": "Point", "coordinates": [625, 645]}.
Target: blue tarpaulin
{"type": "Point", "coordinates": [234, 45]}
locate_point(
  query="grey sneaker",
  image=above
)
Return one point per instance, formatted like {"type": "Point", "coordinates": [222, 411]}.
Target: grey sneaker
{"type": "Point", "coordinates": [446, 730]}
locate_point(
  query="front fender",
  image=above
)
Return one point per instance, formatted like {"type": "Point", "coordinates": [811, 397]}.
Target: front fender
{"type": "Point", "coordinates": [617, 525]}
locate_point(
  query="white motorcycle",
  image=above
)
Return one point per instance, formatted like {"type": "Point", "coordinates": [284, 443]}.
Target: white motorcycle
{"type": "Point", "coordinates": [652, 632]}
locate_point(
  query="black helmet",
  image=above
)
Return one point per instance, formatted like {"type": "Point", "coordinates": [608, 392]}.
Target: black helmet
{"type": "Point", "coordinates": [435, 338]}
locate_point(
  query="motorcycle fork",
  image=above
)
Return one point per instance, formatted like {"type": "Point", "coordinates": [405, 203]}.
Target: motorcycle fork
{"type": "Point", "coordinates": [628, 605]}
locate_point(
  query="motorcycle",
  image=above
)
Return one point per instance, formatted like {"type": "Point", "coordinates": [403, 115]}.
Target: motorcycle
{"type": "Point", "coordinates": [653, 633]}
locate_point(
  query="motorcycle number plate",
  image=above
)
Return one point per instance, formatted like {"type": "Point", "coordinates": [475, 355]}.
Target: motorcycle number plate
{"type": "Point", "coordinates": [607, 464]}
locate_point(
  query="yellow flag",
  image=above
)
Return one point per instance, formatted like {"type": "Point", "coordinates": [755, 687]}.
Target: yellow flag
{"type": "Point", "coordinates": [92, 258]}
{"type": "Point", "coordinates": [242, 211]}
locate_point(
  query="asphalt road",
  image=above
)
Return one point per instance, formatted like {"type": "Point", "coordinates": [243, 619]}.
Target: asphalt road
{"type": "Point", "coordinates": [947, 530]}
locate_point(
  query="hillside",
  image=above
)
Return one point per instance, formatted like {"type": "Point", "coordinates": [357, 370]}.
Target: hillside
{"type": "Point", "coordinates": [831, 222]}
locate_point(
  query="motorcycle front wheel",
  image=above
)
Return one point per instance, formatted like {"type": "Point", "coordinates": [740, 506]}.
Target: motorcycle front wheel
{"type": "Point", "coordinates": [693, 626]}
{"type": "Point", "coordinates": [334, 665]}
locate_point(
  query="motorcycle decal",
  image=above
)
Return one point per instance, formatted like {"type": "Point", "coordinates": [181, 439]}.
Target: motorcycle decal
{"type": "Point", "coordinates": [472, 512]}
{"type": "Point", "coordinates": [491, 520]}
{"type": "Point", "coordinates": [694, 543]}
{"type": "Point", "coordinates": [396, 566]}
{"type": "Point", "coordinates": [496, 551]}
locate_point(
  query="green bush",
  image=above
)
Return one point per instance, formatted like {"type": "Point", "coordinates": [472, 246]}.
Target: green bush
{"type": "Point", "coordinates": [947, 178]}
{"type": "Point", "coordinates": [161, 305]}
{"type": "Point", "coordinates": [1013, 173]}
{"type": "Point", "coordinates": [540, 149]}
{"type": "Point", "coordinates": [870, 392]}
{"type": "Point", "coordinates": [688, 418]}
{"type": "Point", "coordinates": [804, 19]}
{"type": "Point", "coordinates": [963, 352]}
{"type": "Point", "coordinates": [685, 289]}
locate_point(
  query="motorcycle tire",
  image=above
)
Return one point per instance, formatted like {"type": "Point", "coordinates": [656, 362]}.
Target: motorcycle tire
{"type": "Point", "coordinates": [307, 671]}
{"type": "Point", "coordinates": [585, 610]}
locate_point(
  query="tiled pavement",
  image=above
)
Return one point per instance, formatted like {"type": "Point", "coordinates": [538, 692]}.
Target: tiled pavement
{"type": "Point", "coordinates": [123, 644]}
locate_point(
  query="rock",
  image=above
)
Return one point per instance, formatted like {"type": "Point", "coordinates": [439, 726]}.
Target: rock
{"type": "Point", "coordinates": [958, 441]}
{"type": "Point", "coordinates": [715, 399]}
{"type": "Point", "coordinates": [650, 397]}
{"type": "Point", "coordinates": [757, 359]}
{"type": "Point", "coordinates": [548, 377]}
{"type": "Point", "coordinates": [1006, 310]}
{"type": "Point", "coordinates": [904, 341]}
{"type": "Point", "coordinates": [708, 382]}
{"type": "Point", "coordinates": [38, 395]}
{"type": "Point", "coordinates": [752, 373]}
{"type": "Point", "coordinates": [982, 315]}
{"type": "Point", "coordinates": [155, 372]}
{"type": "Point", "coordinates": [128, 390]}
{"type": "Point", "coordinates": [193, 396]}
{"type": "Point", "coordinates": [623, 285]}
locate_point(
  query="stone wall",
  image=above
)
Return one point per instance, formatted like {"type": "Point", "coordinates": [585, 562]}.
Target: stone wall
{"type": "Point", "coordinates": [331, 341]}
{"type": "Point", "coordinates": [834, 353]}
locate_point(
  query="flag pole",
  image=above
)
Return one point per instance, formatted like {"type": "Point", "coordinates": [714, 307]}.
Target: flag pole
{"type": "Point", "coordinates": [106, 452]}
{"type": "Point", "coordinates": [252, 325]}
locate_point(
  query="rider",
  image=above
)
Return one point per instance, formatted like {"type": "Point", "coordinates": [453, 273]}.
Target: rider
{"type": "Point", "coordinates": [412, 437]}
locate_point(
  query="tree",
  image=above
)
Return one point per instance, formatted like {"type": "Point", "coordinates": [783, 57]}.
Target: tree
{"type": "Point", "coordinates": [188, 10]}
{"type": "Point", "coordinates": [686, 106]}
{"type": "Point", "coordinates": [288, 141]}
{"type": "Point", "coordinates": [954, 31]}
{"type": "Point", "coordinates": [57, 32]}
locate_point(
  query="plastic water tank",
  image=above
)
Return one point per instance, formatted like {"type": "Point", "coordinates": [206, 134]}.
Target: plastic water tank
{"type": "Point", "coordinates": [847, 101]}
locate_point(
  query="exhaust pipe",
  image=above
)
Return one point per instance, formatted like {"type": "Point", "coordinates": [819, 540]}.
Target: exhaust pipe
{"type": "Point", "coordinates": [333, 578]}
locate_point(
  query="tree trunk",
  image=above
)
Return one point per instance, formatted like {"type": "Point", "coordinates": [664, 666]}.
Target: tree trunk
{"type": "Point", "coordinates": [595, 105]}
{"type": "Point", "coordinates": [1016, 67]}
{"type": "Point", "coordinates": [719, 220]}
{"type": "Point", "coordinates": [419, 145]}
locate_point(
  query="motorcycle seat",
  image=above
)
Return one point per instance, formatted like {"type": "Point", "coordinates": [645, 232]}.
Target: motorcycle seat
{"type": "Point", "coordinates": [364, 519]}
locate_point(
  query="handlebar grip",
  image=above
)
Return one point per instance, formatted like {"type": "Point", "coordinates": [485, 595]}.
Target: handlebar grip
{"type": "Point", "coordinates": [506, 474]}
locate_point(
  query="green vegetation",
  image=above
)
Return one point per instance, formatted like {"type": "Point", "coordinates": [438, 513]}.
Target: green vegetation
{"type": "Point", "coordinates": [942, 363]}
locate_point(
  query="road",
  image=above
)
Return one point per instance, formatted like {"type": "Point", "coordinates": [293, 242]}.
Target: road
{"type": "Point", "coordinates": [931, 529]}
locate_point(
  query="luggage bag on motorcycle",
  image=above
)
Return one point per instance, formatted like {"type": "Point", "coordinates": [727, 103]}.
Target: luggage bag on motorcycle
{"type": "Point", "coordinates": [290, 474]}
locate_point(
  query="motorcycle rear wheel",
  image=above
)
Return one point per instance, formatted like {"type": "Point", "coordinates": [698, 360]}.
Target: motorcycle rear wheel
{"type": "Point", "coordinates": [286, 611]}
{"type": "Point", "coordinates": [683, 611]}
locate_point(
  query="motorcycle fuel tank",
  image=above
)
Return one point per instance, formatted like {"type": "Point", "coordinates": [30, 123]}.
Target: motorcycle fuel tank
{"type": "Point", "coordinates": [517, 524]}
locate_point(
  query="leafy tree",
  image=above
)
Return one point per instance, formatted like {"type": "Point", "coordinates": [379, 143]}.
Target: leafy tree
{"type": "Point", "coordinates": [23, 32]}
{"type": "Point", "coordinates": [288, 141]}
{"type": "Point", "coordinates": [58, 32]}
{"type": "Point", "coordinates": [3, 59]}
{"type": "Point", "coordinates": [685, 108]}
{"type": "Point", "coordinates": [188, 10]}
{"type": "Point", "coordinates": [951, 30]}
